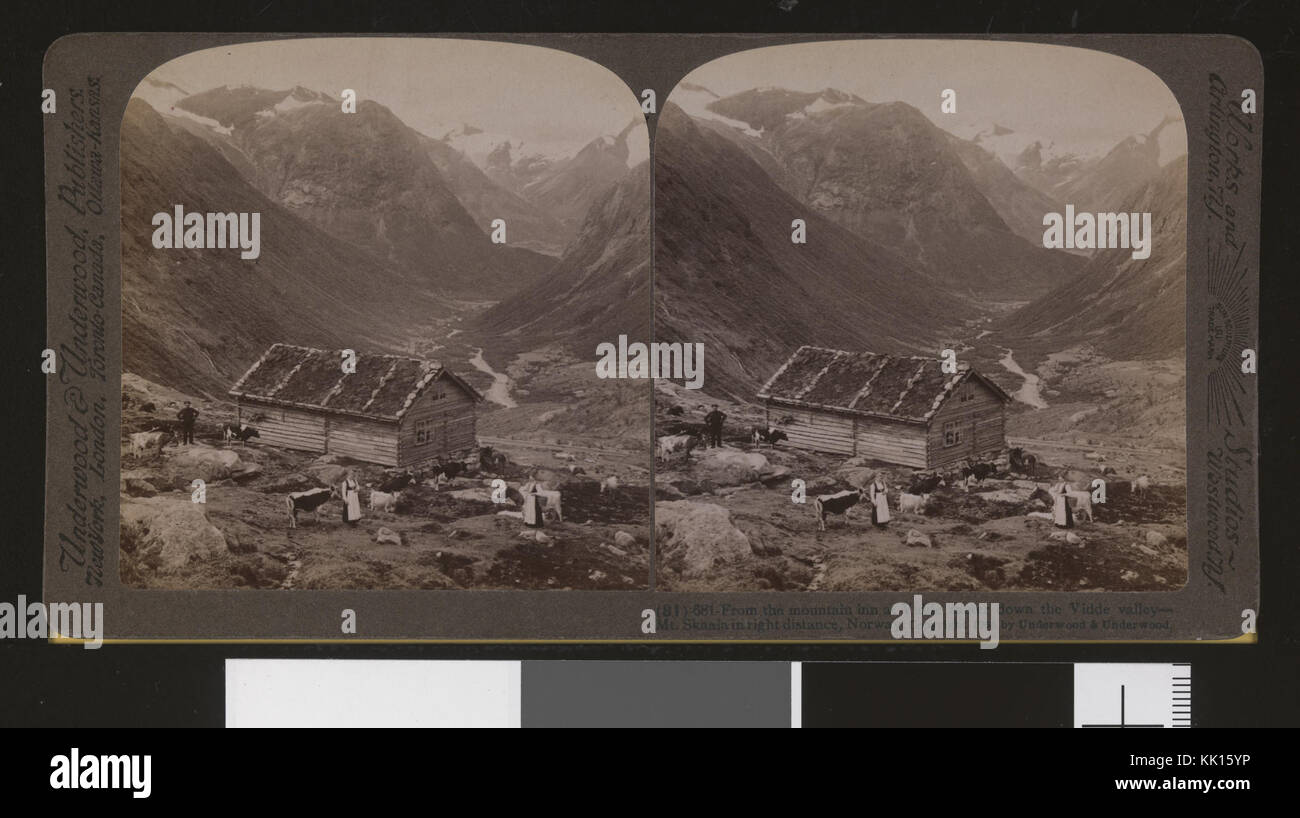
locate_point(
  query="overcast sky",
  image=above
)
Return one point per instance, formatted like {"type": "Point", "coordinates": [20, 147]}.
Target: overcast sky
{"type": "Point", "coordinates": [1083, 100]}
{"type": "Point", "coordinates": [536, 94]}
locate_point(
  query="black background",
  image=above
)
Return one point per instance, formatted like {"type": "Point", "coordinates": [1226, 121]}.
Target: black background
{"type": "Point", "coordinates": [182, 685]}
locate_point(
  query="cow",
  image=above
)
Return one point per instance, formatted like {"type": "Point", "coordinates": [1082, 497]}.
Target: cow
{"type": "Point", "coordinates": [1141, 485]}
{"type": "Point", "coordinates": [396, 482]}
{"type": "Point", "coordinates": [609, 485]}
{"type": "Point", "coordinates": [838, 503]}
{"type": "Point", "coordinates": [576, 470]}
{"type": "Point", "coordinates": [676, 411]}
{"type": "Point", "coordinates": [673, 444]}
{"type": "Point", "coordinates": [925, 485]}
{"type": "Point", "coordinates": [771, 435]}
{"type": "Point", "coordinates": [1022, 462]}
{"type": "Point", "coordinates": [309, 500]}
{"type": "Point", "coordinates": [383, 501]}
{"type": "Point", "coordinates": [913, 503]}
{"type": "Point", "coordinates": [977, 470]}
{"type": "Point", "coordinates": [148, 406]}
{"type": "Point", "coordinates": [491, 461]}
{"type": "Point", "coordinates": [449, 471]}
{"type": "Point", "coordinates": [142, 442]}
{"type": "Point", "coordinates": [242, 431]}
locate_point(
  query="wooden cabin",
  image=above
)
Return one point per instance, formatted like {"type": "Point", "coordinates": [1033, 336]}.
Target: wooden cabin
{"type": "Point", "coordinates": [392, 410]}
{"type": "Point", "coordinates": [902, 410]}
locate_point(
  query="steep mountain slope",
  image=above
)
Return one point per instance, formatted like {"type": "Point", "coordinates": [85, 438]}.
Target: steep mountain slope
{"type": "Point", "coordinates": [728, 276]}
{"type": "Point", "coordinates": [569, 188]}
{"type": "Point", "coordinates": [888, 174]}
{"type": "Point", "coordinates": [1101, 183]}
{"type": "Point", "coordinates": [600, 288]}
{"type": "Point", "coordinates": [1020, 205]}
{"type": "Point", "coordinates": [194, 320]}
{"type": "Point", "coordinates": [368, 179]}
{"type": "Point", "coordinates": [1127, 308]}
{"type": "Point", "coordinates": [528, 225]}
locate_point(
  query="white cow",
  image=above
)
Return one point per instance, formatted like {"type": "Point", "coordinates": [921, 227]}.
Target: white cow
{"type": "Point", "coordinates": [1142, 485]}
{"type": "Point", "coordinates": [142, 442]}
{"type": "Point", "coordinates": [914, 503]}
{"type": "Point", "coordinates": [383, 501]}
{"type": "Point", "coordinates": [675, 443]}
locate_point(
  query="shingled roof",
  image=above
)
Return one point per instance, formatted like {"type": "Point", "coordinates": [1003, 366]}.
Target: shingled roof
{"type": "Point", "coordinates": [383, 386]}
{"type": "Point", "coordinates": [901, 388]}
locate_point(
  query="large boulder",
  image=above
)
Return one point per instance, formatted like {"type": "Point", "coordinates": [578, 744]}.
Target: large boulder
{"type": "Point", "coordinates": [205, 462]}
{"type": "Point", "coordinates": [172, 531]}
{"type": "Point", "coordinates": [730, 467]}
{"type": "Point", "coordinates": [697, 537]}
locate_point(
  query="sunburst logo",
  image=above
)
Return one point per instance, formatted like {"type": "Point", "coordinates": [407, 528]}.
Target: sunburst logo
{"type": "Point", "coordinates": [1228, 322]}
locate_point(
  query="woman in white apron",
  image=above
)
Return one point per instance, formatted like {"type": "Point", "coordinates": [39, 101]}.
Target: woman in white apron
{"type": "Point", "coordinates": [1062, 515]}
{"type": "Point", "coordinates": [879, 497]}
{"type": "Point", "coordinates": [350, 491]}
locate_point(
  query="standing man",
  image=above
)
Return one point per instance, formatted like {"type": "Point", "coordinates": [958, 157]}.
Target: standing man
{"type": "Point", "coordinates": [713, 423]}
{"type": "Point", "coordinates": [187, 417]}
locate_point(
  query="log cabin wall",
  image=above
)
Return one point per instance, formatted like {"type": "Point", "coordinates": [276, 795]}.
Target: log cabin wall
{"type": "Point", "coordinates": [971, 423]}
{"type": "Point", "coordinates": [285, 426]}
{"type": "Point", "coordinates": [440, 425]}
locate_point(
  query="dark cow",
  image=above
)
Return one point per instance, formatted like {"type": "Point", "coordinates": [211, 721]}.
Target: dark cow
{"type": "Point", "coordinates": [771, 435]}
{"type": "Point", "coordinates": [241, 431]}
{"type": "Point", "coordinates": [977, 470]}
{"type": "Point", "coordinates": [925, 485]}
{"type": "Point", "coordinates": [309, 500]}
{"type": "Point", "coordinates": [1022, 462]}
{"type": "Point", "coordinates": [450, 470]}
{"type": "Point", "coordinates": [491, 461]}
{"type": "Point", "coordinates": [676, 411]}
{"type": "Point", "coordinates": [396, 482]}
{"type": "Point", "coordinates": [838, 503]}
{"type": "Point", "coordinates": [148, 406]}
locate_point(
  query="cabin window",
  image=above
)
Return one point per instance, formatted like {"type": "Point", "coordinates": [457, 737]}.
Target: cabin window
{"type": "Point", "coordinates": [438, 392]}
{"type": "Point", "coordinates": [423, 428]}
{"type": "Point", "coordinates": [951, 434]}
{"type": "Point", "coordinates": [966, 394]}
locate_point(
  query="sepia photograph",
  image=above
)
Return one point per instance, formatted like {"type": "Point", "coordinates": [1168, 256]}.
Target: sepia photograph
{"type": "Point", "coordinates": [362, 279]}
{"type": "Point", "coordinates": [942, 287]}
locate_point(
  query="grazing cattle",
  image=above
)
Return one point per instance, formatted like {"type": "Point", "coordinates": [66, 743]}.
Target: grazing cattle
{"type": "Point", "coordinates": [450, 470]}
{"type": "Point", "coordinates": [771, 435]}
{"type": "Point", "coordinates": [309, 500]}
{"type": "Point", "coordinates": [491, 461]}
{"type": "Point", "coordinates": [838, 503]}
{"type": "Point", "coordinates": [925, 485]}
{"type": "Point", "coordinates": [383, 501]}
{"type": "Point", "coordinates": [1022, 462]}
{"type": "Point", "coordinates": [148, 406]}
{"type": "Point", "coordinates": [676, 411]}
{"type": "Point", "coordinates": [396, 482]}
{"type": "Point", "coordinates": [977, 471]}
{"type": "Point", "coordinates": [1142, 485]}
{"type": "Point", "coordinates": [673, 444]}
{"type": "Point", "coordinates": [241, 431]}
{"type": "Point", "coordinates": [142, 442]}
{"type": "Point", "coordinates": [609, 485]}
{"type": "Point", "coordinates": [913, 503]}
{"type": "Point", "coordinates": [575, 470]}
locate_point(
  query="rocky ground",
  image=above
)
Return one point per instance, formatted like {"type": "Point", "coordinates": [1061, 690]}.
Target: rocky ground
{"type": "Point", "coordinates": [725, 521]}
{"type": "Point", "coordinates": [434, 539]}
